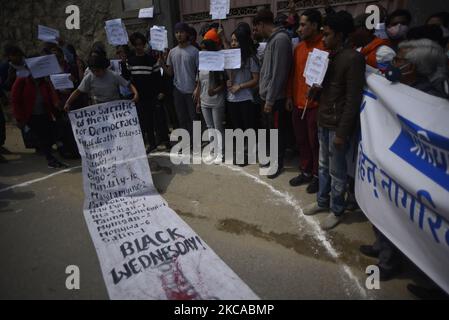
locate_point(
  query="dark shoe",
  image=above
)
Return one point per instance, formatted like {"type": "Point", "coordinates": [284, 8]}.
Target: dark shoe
{"type": "Point", "coordinates": [351, 203]}
{"type": "Point", "coordinates": [277, 173]}
{"type": "Point", "coordinates": [300, 180]}
{"type": "Point", "coordinates": [388, 274]}
{"type": "Point", "coordinates": [427, 294]}
{"type": "Point", "coordinates": [3, 150]}
{"type": "Point", "coordinates": [314, 186]}
{"type": "Point", "coordinates": [55, 164]}
{"type": "Point", "coordinates": [369, 251]}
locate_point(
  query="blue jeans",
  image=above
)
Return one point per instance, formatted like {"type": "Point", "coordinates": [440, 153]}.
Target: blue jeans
{"type": "Point", "coordinates": [332, 173]}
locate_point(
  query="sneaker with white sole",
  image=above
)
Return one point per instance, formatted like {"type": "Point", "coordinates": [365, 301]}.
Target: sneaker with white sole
{"type": "Point", "coordinates": [314, 209]}
{"type": "Point", "coordinates": [331, 222]}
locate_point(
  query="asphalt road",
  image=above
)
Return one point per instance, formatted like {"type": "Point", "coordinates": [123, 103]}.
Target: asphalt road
{"type": "Point", "coordinates": [255, 225]}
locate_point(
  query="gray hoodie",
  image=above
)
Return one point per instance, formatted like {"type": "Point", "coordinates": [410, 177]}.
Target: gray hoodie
{"type": "Point", "coordinates": [277, 62]}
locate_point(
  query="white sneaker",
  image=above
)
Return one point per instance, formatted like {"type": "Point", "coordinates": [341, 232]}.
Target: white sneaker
{"type": "Point", "coordinates": [331, 222]}
{"type": "Point", "coordinates": [218, 160]}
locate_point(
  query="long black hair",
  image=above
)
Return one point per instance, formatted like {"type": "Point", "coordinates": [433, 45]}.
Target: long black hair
{"type": "Point", "coordinates": [246, 43]}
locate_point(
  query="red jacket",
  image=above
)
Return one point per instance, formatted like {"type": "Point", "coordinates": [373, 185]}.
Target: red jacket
{"type": "Point", "coordinates": [23, 98]}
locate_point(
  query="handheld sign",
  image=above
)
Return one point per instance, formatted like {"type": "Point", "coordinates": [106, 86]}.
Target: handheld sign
{"type": "Point", "coordinates": [233, 59]}
{"type": "Point", "coordinates": [212, 61]}
{"type": "Point", "coordinates": [61, 81]}
{"type": "Point", "coordinates": [219, 9]}
{"type": "Point", "coordinates": [43, 66]}
{"type": "Point", "coordinates": [116, 32]}
{"type": "Point", "coordinates": [146, 13]}
{"type": "Point", "coordinates": [47, 34]}
{"type": "Point", "coordinates": [159, 38]}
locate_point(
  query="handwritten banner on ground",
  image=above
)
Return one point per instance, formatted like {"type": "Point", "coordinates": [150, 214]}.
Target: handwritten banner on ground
{"type": "Point", "coordinates": [62, 81]}
{"type": "Point", "coordinates": [402, 180]}
{"type": "Point", "coordinates": [43, 66]}
{"type": "Point", "coordinates": [219, 9]}
{"type": "Point", "coordinates": [47, 34]}
{"type": "Point", "coordinates": [146, 13]}
{"type": "Point", "coordinates": [233, 59]}
{"type": "Point", "coordinates": [116, 32]}
{"type": "Point", "coordinates": [316, 67]}
{"type": "Point", "coordinates": [159, 38]}
{"type": "Point", "coordinates": [145, 250]}
{"type": "Point", "coordinates": [212, 61]}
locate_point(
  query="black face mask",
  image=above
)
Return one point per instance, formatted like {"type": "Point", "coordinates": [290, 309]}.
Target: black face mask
{"type": "Point", "coordinates": [393, 74]}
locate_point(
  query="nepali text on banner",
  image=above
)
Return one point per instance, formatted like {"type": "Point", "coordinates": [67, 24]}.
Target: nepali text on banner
{"type": "Point", "coordinates": [402, 180]}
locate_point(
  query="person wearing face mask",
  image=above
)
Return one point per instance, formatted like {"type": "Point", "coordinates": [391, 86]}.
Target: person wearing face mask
{"type": "Point", "coordinates": [398, 24]}
{"type": "Point", "coordinates": [422, 65]}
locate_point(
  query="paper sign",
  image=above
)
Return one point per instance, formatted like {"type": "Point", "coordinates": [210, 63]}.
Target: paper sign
{"type": "Point", "coordinates": [61, 81]}
{"type": "Point", "coordinates": [22, 73]}
{"type": "Point", "coordinates": [159, 38]}
{"type": "Point", "coordinates": [146, 13]}
{"type": "Point", "coordinates": [116, 32]}
{"type": "Point", "coordinates": [381, 31]}
{"type": "Point", "coordinates": [212, 61]}
{"type": "Point", "coordinates": [233, 59]}
{"type": "Point", "coordinates": [43, 66]}
{"type": "Point", "coordinates": [47, 34]}
{"type": "Point", "coordinates": [219, 9]}
{"type": "Point", "coordinates": [115, 66]}
{"type": "Point", "coordinates": [316, 67]}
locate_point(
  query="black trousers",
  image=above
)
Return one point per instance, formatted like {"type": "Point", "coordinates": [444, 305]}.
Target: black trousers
{"type": "Point", "coordinates": [152, 118]}
{"type": "Point", "coordinates": [268, 122]}
{"type": "Point", "coordinates": [43, 129]}
{"type": "Point", "coordinates": [2, 128]}
{"type": "Point", "coordinates": [389, 255]}
{"type": "Point", "coordinates": [243, 115]}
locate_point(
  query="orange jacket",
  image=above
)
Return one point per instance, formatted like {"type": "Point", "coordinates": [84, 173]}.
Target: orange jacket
{"type": "Point", "coordinates": [370, 51]}
{"type": "Point", "coordinates": [297, 87]}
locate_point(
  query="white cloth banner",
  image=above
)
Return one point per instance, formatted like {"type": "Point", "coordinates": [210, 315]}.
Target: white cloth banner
{"type": "Point", "coordinates": [212, 61]}
{"type": "Point", "coordinates": [145, 250]}
{"type": "Point", "coordinates": [402, 180]}
{"type": "Point", "coordinates": [116, 32]}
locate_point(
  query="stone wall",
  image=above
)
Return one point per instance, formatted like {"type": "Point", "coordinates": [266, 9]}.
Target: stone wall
{"type": "Point", "coordinates": [19, 21]}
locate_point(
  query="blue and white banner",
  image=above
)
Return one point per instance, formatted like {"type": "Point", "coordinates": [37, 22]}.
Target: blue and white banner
{"type": "Point", "coordinates": [402, 180]}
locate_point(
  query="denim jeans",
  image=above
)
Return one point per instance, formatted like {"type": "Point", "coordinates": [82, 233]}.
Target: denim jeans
{"type": "Point", "coordinates": [332, 173]}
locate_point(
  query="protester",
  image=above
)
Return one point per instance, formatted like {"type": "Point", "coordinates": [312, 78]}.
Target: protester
{"type": "Point", "coordinates": [211, 90]}
{"type": "Point", "coordinates": [17, 67]}
{"type": "Point", "coordinates": [183, 63]}
{"type": "Point", "coordinates": [304, 116]}
{"type": "Point", "coordinates": [146, 77]}
{"type": "Point", "coordinates": [273, 78]}
{"type": "Point", "coordinates": [339, 105]}
{"type": "Point", "coordinates": [397, 24]}
{"type": "Point", "coordinates": [101, 84]}
{"type": "Point", "coordinates": [441, 19]}
{"type": "Point", "coordinates": [34, 102]}
{"type": "Point", "coordinates": [376, 51]}
{"type": "Point", "coordinates": [241, 85]}
{"type": "Point", "coordinates": [422, 64]}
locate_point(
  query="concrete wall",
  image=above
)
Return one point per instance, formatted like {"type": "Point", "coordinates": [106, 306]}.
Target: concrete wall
{"type": "Point", "coordinates": [19, 20]}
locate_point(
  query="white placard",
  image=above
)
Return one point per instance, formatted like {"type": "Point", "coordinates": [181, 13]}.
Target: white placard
{"type": "Point", "coordinates": [43, 66]}
{"type": "Point", "coordinates": [47, 34]}
{"type": "Point", "coordinates": [146, 251]}
{"type": "Point", "coordinates": [116, 32]}
{"type": "Point", "coordinates": [212, 61]}
{"type": "Point", "coordinates": [316, 67]}
{"type": "Point", "coordinates": [381, 31]}
{"type": "Point", "coordinates": [233, 59]}
{"type": "Point", "coordinates": [61, 81]}
{"type": "Point", "coordinates": [219, 9]}
{"type": "Point", "coordinates": [402, 180]}
{"type": "Point", "coordinates": [159, 38]}
{"type": "Point", "coordinates": [116, 66]}
{"type": "Point", "coordinates": [146, 13]}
